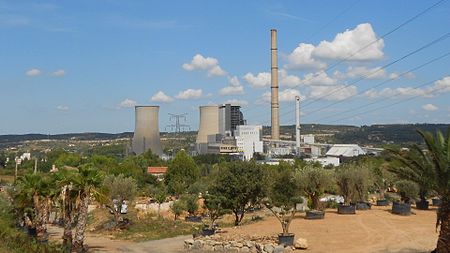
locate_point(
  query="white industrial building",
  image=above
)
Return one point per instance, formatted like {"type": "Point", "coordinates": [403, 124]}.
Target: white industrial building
{"type": "Point", "coordinates": [248, 140]}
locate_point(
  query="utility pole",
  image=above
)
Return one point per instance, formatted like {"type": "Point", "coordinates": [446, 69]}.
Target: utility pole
{"type": "Point", "coordinates": [18, 161]}
{"type": "Point", "coordinates": [35, 165]}
{"type": "Point", "coordinates": [177, 126]}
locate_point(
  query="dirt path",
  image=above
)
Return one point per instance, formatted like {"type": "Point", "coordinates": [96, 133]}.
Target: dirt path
{"type": "Point", "coordinates": [376, 231]}
{"type": "Point", "coordinates": [99, 243]}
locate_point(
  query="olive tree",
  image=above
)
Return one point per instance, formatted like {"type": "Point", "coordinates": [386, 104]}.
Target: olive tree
{"type": "Point", "coordinates": [118, 189]}
{"type": "Point", "coordinates": [314, 181]}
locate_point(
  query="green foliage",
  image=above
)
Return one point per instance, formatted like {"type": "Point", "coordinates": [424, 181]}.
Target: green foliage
{"type": "Point", "coordinates": [407, 189]}
{"type": "Point", "coordinates": [178, 207]}
{"type": "Point", "coordinates": [182, 173]}
{"type": "Point", "coordinates": [314, 181]}
{"type": "Point", "coordinates": [353, 182]}
{"type": "Point", "coordinates": [283, 195]}
{"type": "Point", "coordinates": [68, 159]}
{"type": "Point", "coordinates": [215, 205]}
{"type": "Point", "coordinates": [119, 188]}
{"type": "Point", "coordinates": [242, 185]}
{"type": "Point", "coordinates": [191, 203]}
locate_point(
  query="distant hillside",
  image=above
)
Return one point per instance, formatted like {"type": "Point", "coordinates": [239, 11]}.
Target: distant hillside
{"type": "Point", "coordinates": [365, 135]}
{"type": "Point", "coordinates": [376, 135]}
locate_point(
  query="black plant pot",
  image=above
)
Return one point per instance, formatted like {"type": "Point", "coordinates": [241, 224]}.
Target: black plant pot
{"type": "Point", "coordinates": [193, 218]}
{"type": "Point", "coordinates": [382, 202]}
{"type": "Point", "coordinates": [436, 202]}
{"type": "Point", "coordinates": [32, 232]}
{"type": "Point", "coordinates": [422, 205]}
{"type": "Point", "coordinates": [346, 209]}
{"type": "Point", "coordinates": [363, 206]}
{"type": "Point", "coordinates": [315, 215]}
{"type": "Point", "coordinates": [401, 208]}
{"type": "Point", "coordinates": [208, 231]}
{"type": "Point", "coordinates": [286, 239]}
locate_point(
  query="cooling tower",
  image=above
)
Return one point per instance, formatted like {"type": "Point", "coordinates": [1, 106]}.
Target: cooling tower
{"type": "Point", "coordinates": [274, 86]}
{"type": "Point", "coordinates": [209, 125]}
{"type": "Point", "coordinates": [146, 132]}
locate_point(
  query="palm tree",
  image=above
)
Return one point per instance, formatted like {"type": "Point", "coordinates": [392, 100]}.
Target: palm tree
{"type": "Point", "coordinates": [86, 182]}
{"type": "Point", "coordinates": [433, 165]}
{"type": "Point", "coordinates": [416, 166]}
{"type": "Point", "coordinates": [33, 200]}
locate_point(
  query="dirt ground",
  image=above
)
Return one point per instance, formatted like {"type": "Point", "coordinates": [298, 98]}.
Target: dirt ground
{"type": "Point", "coordinates": [376, 231]}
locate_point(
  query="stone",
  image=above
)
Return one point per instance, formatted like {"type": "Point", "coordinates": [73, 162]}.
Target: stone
{"type": "Point", "coordinates": [268, 248]}
{"type": "Point", "coordinates": [278, 249]}
{"type": "Point", "coordinates": [249, 244]}
{"type": "Point", "coordinates": [189, 241]}
{"type": "Point", "coordinates": [237, 244]}
{"type": "Point", "coordinates": [301, 243]}
{"type": "Point", "coordinates": [218, 248]}
{"type": "Point", "coordinates": [234, 249]}
{"type": "Point", "coordinates": [197, 244]}
{"type": "Point", "coordinates": [208, 248]}
{"type": "Point", "coordinates": [245, 249]}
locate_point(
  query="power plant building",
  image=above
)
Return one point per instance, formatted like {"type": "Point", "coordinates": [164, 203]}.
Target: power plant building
{"type": "Point", "coordinates": [146, 132]}
{"type": "Point", "coordinates": [217, 125]}
{"type": "Point", "coordinates": [249, 140]}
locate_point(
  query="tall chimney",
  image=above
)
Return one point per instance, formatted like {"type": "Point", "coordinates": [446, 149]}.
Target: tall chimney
{"type": "Point", "coordinates": [274, 87]}
{"type": "Point", "coordinates": [297, 124]}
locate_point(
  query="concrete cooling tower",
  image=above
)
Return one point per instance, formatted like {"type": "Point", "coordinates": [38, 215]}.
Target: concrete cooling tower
{"type": "Point", "coordinates": [209, 125]}
{"type": "Point", "coordinates": [146, 132]}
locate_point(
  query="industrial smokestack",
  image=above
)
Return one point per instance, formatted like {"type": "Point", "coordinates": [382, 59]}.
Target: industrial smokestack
{"type": "Point", "coordinates": [274, 87]}
{"type": "Point", "coordinates": [297, 124]}
{"type": "Point", "coordinates": [146, 132]}
{"type": "Point", "coordinates": [209, 125]}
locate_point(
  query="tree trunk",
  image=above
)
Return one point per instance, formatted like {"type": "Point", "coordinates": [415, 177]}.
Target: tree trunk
{"type": "Point", "coordinates": [67, 234]}
{"type": "Point", "coordinates": [443, 244]}
{"type": "Point", "coordinates": [80, 228]}
{"type": "Point", "coordinates": [315, 202]}
{"type": "Point", "coordinates": [236, 217]}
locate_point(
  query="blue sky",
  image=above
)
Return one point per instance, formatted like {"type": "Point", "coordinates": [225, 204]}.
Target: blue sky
{"type": "Point", "coordinates": [81, 66]}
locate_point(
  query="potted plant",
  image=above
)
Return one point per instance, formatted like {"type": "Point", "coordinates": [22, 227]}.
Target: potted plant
{"type": "Point", "coordinates": [361, 179]}
{"type": "Point", "coordinates": [191, 205]}
{"type": "Point", "coordinates": [381, 179]}
{"type": "Point", "coordinates": [282, 197]}
{"type": "Point", "coordinates": [214, 205]}
{"type": "Point", "coordinates": [408, 190]}
{"type": "Point", "coordinates": [313, 183]}
{"type": "Point", "coordinates": [414, 165]}
{"type": "Point", "coordinates": [345, 182]}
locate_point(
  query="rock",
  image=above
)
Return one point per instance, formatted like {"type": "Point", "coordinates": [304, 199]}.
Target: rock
{"type": "Point", "coordinates": [218, 248]}
{"type": "Point", "coordinates": [268, 248]}
{"type": "Point", "coordinates": [208, 248]}
{"type": "Point", "coordinates": [301, 243]}
{"type": "Point", "coordinates": [245, 249]}
{"type": "Point", "coordinates": [197, 244]}
{"type": "Point", "coordinates": [189, 241]}
{"type": "Point", "coordinates": [234, 249]}
{"type": "Point", "coordinates": [237, 244]}
{"type": "Point", "coordinates": [249, 244]}
{"type": "Point", "coordinates": [278, 249]}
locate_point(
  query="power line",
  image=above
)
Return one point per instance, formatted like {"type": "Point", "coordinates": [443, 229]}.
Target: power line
{"type": "Point", "coordinates": [445, 36]}
{"type": "Point", "coordinates": [385, 106]}
{"type": "Point", "coordinates": [383, 83]}
{"type": "Point", "coordinates": [377, 101]}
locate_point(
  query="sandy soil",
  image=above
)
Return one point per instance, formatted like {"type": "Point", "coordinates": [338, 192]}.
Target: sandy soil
{"type": "Point", "coordinates": [376, 230]}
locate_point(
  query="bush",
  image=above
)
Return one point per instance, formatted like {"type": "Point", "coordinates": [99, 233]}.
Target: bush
{"type": "Point", "coordinates": [408, 190]}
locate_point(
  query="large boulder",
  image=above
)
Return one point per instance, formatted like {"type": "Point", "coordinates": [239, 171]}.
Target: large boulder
{"type": "Point", "coordinates": [301, 243]}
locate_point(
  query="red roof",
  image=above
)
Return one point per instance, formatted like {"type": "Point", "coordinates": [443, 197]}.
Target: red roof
{"type": "Point", "coordinates": [157, 170]}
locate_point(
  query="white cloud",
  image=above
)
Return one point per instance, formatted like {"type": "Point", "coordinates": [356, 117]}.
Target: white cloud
{"type": "Point", "coordinates": [301, 58]}
{"type": "Point", "coordinates": [318, 78]}
{"type": "Point", "coordinates": [210, 64]}
{"type": "Point", "coordinates": [287, 95]}
{"type": "Point", "coordinates": [235, 87]}
{"type": "Point", "coordinates": [439, 87]}
{"type": "Point", "coordinates": [59, 73]}
{"type": "Point", "coordinates": [334, 92]}
{"type": "Point", "coordinates": [259, 81]}
{"type": "Point", "coordinates": [127, 103]}
{"type": "Point", "coordinates": [33, 72]}
{"type": "Point", "coordinates": [236, 102]}
{"type": "Point", "coordinates": [161, 97]}
{"type": "Point", "coordinates": [429, 107]}
{"type": "Point", "coordinates": [347, 45]}
{"type": "Point", "coordinates": [289, 80]}
{"type": "Point", "coordinates": [190, 94]}
{"type": "Point", "coordinates": [62, 108]}
{"type": "Point", "coordinates": [368, 73]}
{"type": "Point", "coordinates": [232, 90]}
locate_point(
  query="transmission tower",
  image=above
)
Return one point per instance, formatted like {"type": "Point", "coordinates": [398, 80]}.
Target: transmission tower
{"type": "Point", "coordinates": [178, 127]}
